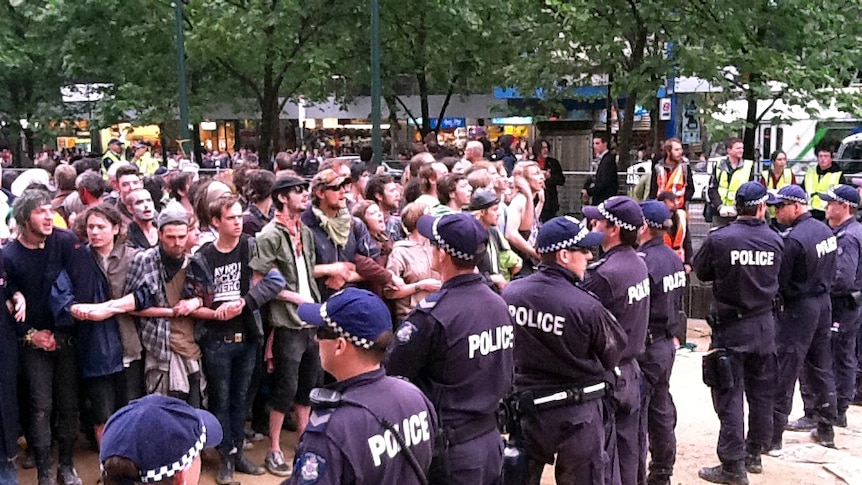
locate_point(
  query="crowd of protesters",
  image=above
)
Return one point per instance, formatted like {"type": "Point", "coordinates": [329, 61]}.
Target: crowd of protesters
{"type": "Point", "coordinates": [129, 278]}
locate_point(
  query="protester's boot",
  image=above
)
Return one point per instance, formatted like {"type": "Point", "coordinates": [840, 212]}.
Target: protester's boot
{"type": "Point", "coordinates": [730, 473]}
{"type": "Point", "coordinates": [66, 473]}
{"type": "Point", "coordinates": [225, 471]}
{"type": "Point", "coordinates": [44, 466]}
{"type": "Point", "coordinates": [244, 465]}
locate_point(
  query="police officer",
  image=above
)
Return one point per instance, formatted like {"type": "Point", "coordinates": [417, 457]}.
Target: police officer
{"type": "Point", "coordinates": [456, 346]}
{"type": "Point", "coordinates": [742, 260]}
{"type": "Point", "coordinates": [567, 344]}
{"type": "Point", "coordinates": [367, 427]}
{"type": "Point", "coordinates": [667, 280]}
{"type": "Point", "coordinates": [802, 324]}
{"type": "Point", "coordinates": [842, 203]}
{"type": "Point", "coordinates": [113, 155]}
{"type": "Point", "coordinates": [621, 282]}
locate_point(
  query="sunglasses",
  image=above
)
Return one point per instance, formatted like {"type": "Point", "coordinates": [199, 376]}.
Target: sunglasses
{"type": "Point", "coordinates": [327, 333]}
{"type": "Point", "coordinates": [338, 187]}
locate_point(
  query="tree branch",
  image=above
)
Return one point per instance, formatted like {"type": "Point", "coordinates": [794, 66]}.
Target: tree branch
{"type": "Point", "coordinates": [242, 78]}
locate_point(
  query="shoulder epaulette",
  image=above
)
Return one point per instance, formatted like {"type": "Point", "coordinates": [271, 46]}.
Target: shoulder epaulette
{"type": "Point", "coordinates": [430, 301]}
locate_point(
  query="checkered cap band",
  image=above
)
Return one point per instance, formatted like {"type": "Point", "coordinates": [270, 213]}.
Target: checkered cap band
{"type": "Point", "coordinates": [442, 244]}
{"type": "Point", "coordinates": [167, 471]}
{"type": "Point", "coordinates": [761, 200]}
{"type": "Point", "coordinates": [357, 341]}
{"type": "Point", "coordinates": [568, 243]}
{"type": "Point", "coordinates": [837, 198]}
{"type": "Point", "coordinates": [653, 224]}
{"type": "Point", "coordinates": [791, 198]}
{"type": "Point", "coordinates": [616, 220]}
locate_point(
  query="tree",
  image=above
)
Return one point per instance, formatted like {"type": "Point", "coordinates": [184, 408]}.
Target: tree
{"type": "Point", "coordinates": [619, 43]}
{"type": "Point", "coordinates": [30, 75]}
{"type": "Point", "coordinates": [271, 50]}
{"type": "Point", "coordinates": [800, 52]}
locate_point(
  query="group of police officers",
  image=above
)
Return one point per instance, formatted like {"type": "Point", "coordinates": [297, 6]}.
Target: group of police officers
{"type": "Point", "coordinates": [581, 353]}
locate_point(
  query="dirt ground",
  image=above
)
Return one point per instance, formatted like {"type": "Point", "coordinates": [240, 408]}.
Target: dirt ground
{"type": "Point", "coordinates": [697, 431]}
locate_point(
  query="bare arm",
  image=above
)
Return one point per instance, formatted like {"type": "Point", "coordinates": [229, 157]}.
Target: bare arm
{"type": "Point", "coordinates": [513, 224]}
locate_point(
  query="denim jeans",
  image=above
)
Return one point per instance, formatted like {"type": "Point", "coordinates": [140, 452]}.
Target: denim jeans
{"type": "Point", "coordinates": [228, 368]}
{"type": "Point", "coordinates": [8, 472]}
{"type": "Point", "coordinates": [52, 390]}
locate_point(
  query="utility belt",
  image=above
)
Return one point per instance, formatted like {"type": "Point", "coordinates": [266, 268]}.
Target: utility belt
{"type": "Point", "coordinates": [469, 431]}
{"type": "Point", "coordinates": [654, 336]}
{"type": "Point", "coordinates": [528, 404]}
{"type": "Point", "coordinates": [727, 317]}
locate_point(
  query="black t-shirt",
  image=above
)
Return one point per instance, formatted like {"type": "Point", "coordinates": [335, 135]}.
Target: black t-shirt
{"type": "Point", "coordinates": [33, 271]}
{"type": "Point", "coordinates": [228, 271]}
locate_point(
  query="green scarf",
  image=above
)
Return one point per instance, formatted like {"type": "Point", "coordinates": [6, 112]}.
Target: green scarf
{"type": "Point", "coordinates": [337, 228]}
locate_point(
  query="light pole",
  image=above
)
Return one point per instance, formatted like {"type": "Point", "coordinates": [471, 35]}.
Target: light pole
{"type": "Point", "coordinates": [185, 138]}
{"type": "Point", "coordinates": [376, 137]}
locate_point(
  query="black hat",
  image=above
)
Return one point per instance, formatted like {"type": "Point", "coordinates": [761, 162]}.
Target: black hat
{"type": "Point", "coordinates": [114, 140]}
{"type": "Point", "coordinates": [482, 199]}
{"type": "Point", "coordinates": [282, 183]}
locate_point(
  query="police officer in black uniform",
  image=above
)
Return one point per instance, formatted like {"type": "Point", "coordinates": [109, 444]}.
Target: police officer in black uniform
{"type": "Point", "coordinates": [667, 280]}
{"type": "Point", "coordinates": [842, 204]}
{"type": "Point", "coordinates": [456, 346]}
{"type": "Point", "coordinates": [742, 260]}
{"type": "Point", "coordinates": [802, 325]}
{"type": "Point", "coordinates": [367, 427]}
{"type": "Point", "coordinates": [567, 344]}
{"type": "Point", "coordinates": [621, 282]}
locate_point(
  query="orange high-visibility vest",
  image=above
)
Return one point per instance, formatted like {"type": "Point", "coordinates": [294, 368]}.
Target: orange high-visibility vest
{"type": "Point", "coordinates": [675, 243]}
{"type": "Point", "coordinates": [675, 182]}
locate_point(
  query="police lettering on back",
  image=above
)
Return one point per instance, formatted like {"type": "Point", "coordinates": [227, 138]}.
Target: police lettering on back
{"type": "Point", "coordinates": [826, 246]}
{"type": "Point", "coordinates": [750, 257]}
{"type": "Point", "coordinates": [639, 291]}
{"type": "Point", "coordinates": [415, 429]}
{"type": "Point", "coordinates": [544, 321]}
{"type": "Point", "coordinates": [673, 281]}
{"type": "Point", "coordinates": [491, 340]}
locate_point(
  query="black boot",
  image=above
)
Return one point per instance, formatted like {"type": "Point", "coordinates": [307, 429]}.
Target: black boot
{"type": "Point", "coordinates": [44, 466]}
{"type": "Point", "coordinates": [225, 471]}
{"type": "Point", "coordinates": [658, 478]}
{"type": "Point", "coordinates": [805, 423]}
{"type": "Point", "coordinates": [841, 419]}
{"type": "Point", "coordinates": [730, 473]}
{"type": "Point", "coordinates": [753, 463]}
{"type": "Point", "coordinates": [244, 465]}
{"type": "Point", "coordinates": [66, 474]}
{"type": "Point", "coordinates": [824, 435]}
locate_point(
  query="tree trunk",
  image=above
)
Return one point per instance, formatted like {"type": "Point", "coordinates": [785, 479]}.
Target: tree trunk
{"type": "Point", "coordinates": [267, 132]}
{"type": "Point", "coordinates": [626, 129]}
{"type": "Point", "coordinates": [423, 104]}
{"type": "Point", "coordinates": [750, 126]}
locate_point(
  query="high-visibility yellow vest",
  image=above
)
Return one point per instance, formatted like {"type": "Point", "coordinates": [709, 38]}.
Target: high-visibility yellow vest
{"type": "Point", "coordinates": [114, 158]}
{"type": "Point", "coordinates": [783, 181]}
{"type": "Point", "coordinates": [815, 184]}
{"type": "Point", "coordinates": [147, 164]}
{"type": "Point", "coordinates": [728, 185]}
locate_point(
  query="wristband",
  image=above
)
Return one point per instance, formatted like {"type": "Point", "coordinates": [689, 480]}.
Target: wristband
{"type": "Point", "coordinates": [28, 337]}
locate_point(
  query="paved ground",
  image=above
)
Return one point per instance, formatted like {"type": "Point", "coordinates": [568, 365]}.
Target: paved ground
{"type": "Point", "coordinates": [697, 431]}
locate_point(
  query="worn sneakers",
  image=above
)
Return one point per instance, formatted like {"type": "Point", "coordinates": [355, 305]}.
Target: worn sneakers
{"type": "Point", "coordinates": [276, 465]}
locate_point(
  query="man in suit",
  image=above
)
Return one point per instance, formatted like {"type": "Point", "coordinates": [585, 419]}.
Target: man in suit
{"type": "Point", "coordinates": [605, 183]}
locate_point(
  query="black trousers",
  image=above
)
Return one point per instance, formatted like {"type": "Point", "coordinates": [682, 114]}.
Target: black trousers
{"type": "Point", "coordinates": [754, 377]}
{"type": "Point", "coordinates": [51, 380]}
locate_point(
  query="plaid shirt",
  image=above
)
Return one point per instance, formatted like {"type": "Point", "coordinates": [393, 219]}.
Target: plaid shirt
{"type": "Point", "coordinates": [147, 273]}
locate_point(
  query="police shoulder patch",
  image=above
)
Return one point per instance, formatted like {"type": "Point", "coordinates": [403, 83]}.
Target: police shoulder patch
{"type": "Point", "coordinates": [319, 419]}
{"type": "Point", "coordinates": [406, 332]}
{"type": "Point", "coordinates": [310, 467]}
